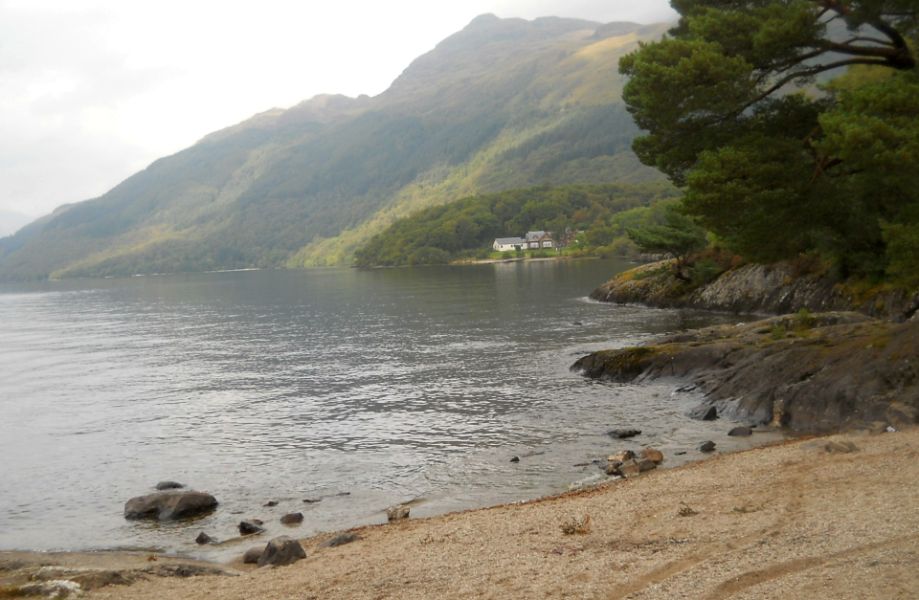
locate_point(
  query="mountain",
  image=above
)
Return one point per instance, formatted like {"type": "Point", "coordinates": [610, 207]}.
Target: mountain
{"type": "Point", "coordinates": [11, 221]}
{"type": "Point", "coordinates": [503, 104]}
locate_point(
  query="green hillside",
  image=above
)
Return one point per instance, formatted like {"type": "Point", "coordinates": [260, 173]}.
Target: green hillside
{"type": "Point", "coordinates": [502, 104]}
{"type": "Point", "coordinates": [593, 217]}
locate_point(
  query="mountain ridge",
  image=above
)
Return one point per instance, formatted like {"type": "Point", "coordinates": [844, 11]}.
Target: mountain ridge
{"type": "Point", "coordinates": [502, 104]}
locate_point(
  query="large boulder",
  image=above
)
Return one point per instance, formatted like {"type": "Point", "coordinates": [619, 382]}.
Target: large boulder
{"type": "Point", "coordinates": [281, 551]}
{"type": "Point", "coordinates": [169, 505]}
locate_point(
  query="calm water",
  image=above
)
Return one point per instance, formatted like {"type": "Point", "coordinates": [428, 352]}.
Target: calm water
{"type": "Point", "coordinates": [390, 385]}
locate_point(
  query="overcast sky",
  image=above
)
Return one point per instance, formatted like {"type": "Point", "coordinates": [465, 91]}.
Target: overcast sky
{"type": "Point", "coordinates": [92, 91]}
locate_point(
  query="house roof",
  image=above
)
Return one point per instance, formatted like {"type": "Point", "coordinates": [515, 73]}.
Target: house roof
{"type": "Point", "coordinates": [512, 241]}
{"type": "Point", "coordinates": [535, 236]}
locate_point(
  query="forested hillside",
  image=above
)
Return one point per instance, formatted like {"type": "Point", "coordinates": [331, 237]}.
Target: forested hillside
{"type": "Point", "coordinates": [503, 104]}
{"type": "Point", "coordinates": [595, 218]}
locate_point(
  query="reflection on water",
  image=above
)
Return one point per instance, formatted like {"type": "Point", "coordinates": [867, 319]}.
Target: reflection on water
{"type": "Point", "coordinates": [390, 385]}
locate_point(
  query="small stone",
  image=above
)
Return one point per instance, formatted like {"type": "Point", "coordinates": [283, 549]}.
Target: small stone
{"type": "Point", "coordinates": [622, 434]}
{"type": "Point", "coordinates": [340, 540]}
{"type": "Point", "coordinates": [281, 551]}
{"type": "Point", "coordinates": [708, 446]}
{"type": "Point", "coordinates": [740, 432]}
{"type": "Point", "coordinates": [397, 513]}
{"type": "Point", "coordinates": [311, 500]}
{"type": "Point", "coordinates": [169, 485]}
{"type": "Point", "coordinates": [253, 554]}
{"type": "Point", "coordinates": [653, 454]}
{"type": "Point", "coordinates": [203, 539]}
{"type": "Point", "coordinates": [271, 503]}
{"type": "Point", "coordinates": [612, 468]}
{"type": "Point", "coordinates": [292, 518]}
{"type": "Point", "coordinates": [515, 459]}
{"type": "Point", "coordinates": [250, 527]}
{"type": "Point", "coordinates": [621, 457]}
{"type": "Point", "coordinates": [680, 453]}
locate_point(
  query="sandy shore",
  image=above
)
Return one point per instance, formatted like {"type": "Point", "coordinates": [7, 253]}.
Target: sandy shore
{"type": "Point", "coordinates": [788, 521]}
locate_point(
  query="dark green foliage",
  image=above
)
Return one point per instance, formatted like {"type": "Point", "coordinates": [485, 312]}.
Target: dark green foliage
{"type": "Point", "coordinates": [674, 234]}
{"type": "Point", "coordinates": [772, 165]}
{"type": "Point", "coordinates": [464, 228]}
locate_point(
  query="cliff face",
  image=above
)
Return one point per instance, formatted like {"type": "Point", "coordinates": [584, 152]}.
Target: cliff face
{"type": "Point", "coordinates": [766, 289]}
{"type": "Point", "coordinates": [808, 373]}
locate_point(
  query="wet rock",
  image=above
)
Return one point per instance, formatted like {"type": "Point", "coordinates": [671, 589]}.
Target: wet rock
{"type": "Point", "coordinates": [621, 457]}
{"type": "Point", "coordinates": [704, 412]}
{"type": "Point", "coordinates": [629, 468]}
{"type": "Point", "coordinates": [612, 468]}
{"type": "Point", "coordinates": [169, 505]}
{"type": "Point", "coordinates": [311, 500]}
{"type": "Point", "coordinates": [840, 447]}
{"type": "Point", "coordinates": [740, 432]}
{"type": "Point", "coordinates": [271, 503]}
{"type": "Point", "coordinates": [397, 513]}
{"type": "Point", "coordinates": [340, 540]}
{"type": "Point", "coordinates": [645, 464]}
{"type": "Point", "coordinates": [253, 554]}
{"type": "Point", "coordinates": [250, 527]}
{"type": "Point", "coordinates": [169, 485]}
{"type": "Point", "coordinates": [281, 551]}
{"type": "Point", "coordinates": [292, 518]}
{"type": "Point", "coordinates": [203, 539]}
{"type": "Point", "coordinates": [621, 434]}
{"type": "Point", "coordinates": [515, 459]}
{"type": "Point", "coordinates": [60, 588]}
{"type": "Point", "coordinates": [708, 446]}
{"type": "Point", "coordinates": [680, 453]}
{"type": "Point", "coordinates": [653, 455]}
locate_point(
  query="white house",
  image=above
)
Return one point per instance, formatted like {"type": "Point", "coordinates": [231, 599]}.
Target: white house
{"type": "Point", "coordinates": [539, 239]}
{"type": "Point", "coordinates": [509, 244]}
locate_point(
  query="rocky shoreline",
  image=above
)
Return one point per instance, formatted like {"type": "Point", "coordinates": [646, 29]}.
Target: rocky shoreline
{"type": "Point", "coordinates": [777, 521]}
{"type": "Point", "coordinates": [755, 289]}
{"type": "Point", "coordinates": [807, 373]}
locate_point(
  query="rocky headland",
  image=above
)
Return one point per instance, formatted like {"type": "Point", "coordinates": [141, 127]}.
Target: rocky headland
{"type": "Point", "coordinates": [810, 372]}
{"type": "Point", "coordinates": [779, 288]}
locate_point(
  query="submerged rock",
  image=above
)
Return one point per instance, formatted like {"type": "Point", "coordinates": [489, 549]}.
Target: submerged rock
{"type": "Point", "coordinates": [169, 505]}
{"type": "Point", "coordinates": [740, 432]}
{"type": "Point", "coordinates": [281, 551]}
{"type": "Point", "coordinates": [292, 518]}
{"type": "Point", "coordinates": [621, 434]}
{"type": "Point", "coordinates": [250, 527]}
{"type": "Point", "coordinates": [169, 485]}
{"type": "Point", "coordinates": [708, 446]}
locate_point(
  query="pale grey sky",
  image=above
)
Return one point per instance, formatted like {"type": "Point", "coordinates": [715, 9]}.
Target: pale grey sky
{"type": "Point", "coordinates": [92, 91]}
